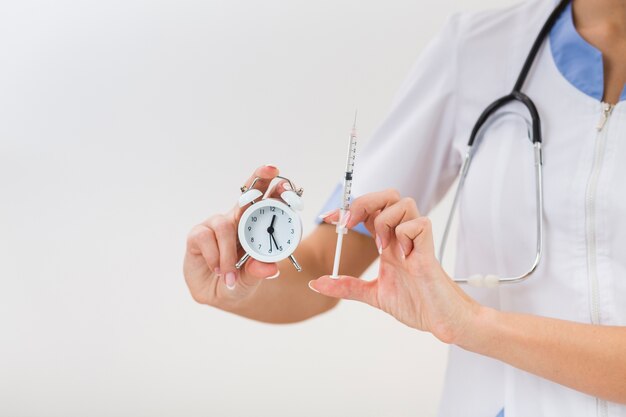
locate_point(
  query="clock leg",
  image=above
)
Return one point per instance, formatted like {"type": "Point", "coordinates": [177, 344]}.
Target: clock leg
{"type": "Point", "coordinates": [242, 261]}
{"type": "Point", "coordinates": [295, 263]}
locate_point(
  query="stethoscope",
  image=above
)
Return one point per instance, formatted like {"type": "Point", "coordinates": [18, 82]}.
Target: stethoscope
{"type": "Point", "coordinates": [487, 117]}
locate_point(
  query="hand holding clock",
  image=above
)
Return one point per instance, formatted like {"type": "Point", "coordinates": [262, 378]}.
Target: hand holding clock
{"type": "Point", "coordinates": [213, 251]}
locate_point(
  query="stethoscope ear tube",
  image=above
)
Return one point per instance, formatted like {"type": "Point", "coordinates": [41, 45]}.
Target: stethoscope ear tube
{"type": "Point", "coordinates": [534, 49]}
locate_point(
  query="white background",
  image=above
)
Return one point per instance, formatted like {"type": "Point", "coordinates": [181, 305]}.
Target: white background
{"type": "Point", "coordinates": [122, 124]}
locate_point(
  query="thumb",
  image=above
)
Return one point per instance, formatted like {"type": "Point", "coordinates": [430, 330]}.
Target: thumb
{"type": "Point", "coordinates": [347, 287]}
{"type": "Point", "coordinates": [256, 271]}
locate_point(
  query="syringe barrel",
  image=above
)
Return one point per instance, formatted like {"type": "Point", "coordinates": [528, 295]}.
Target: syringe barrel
{"type": "Point", "coordinates": [347, 180]}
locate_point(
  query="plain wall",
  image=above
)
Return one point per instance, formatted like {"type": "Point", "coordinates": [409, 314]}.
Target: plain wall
{"type": "Point", "coordinates": [124, 123]}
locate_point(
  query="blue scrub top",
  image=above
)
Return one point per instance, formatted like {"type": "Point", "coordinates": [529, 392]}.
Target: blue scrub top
{"type": "Point", "coordinates": [577, 60]}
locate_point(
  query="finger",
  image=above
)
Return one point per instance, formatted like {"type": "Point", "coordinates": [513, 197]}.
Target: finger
{"type": "Point", "coordinates": [265, 173]}
{"type": "Point", "coordinates": [256, 271]}
{"type": "Point", "coordinates": [330, 217]}
{"type": "Point", "coordinates": [386, 222]}
{"type": "Point", "coordinates": [348, 288]}
{"type": "Point", "coordinates": [278, 188]}
{"type": "Point", "coordinates": [334, 216]}
{"type": "Point", "coordinates": [201, 258]}
{"type": "Point", "coordinates": [366, 207]}
{"type": "Point", "coordinates": [201, 242]}
{"type": "Point", "coordinates": [226, 237]}
{"type": "Point", "coordinates": [416, 237]}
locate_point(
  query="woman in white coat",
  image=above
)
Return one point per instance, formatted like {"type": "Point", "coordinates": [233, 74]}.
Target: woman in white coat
{"type": "Point", "coordinates": [553, 345]}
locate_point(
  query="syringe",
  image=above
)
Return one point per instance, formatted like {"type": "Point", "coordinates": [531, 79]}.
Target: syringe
{"type": "Point", "coordinates": [345, 204]}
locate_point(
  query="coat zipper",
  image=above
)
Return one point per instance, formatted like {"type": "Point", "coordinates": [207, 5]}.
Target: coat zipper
{"type": "Point", "coordinates": [590, 225]}
{"type": "Point", "coordinates": [607, 109]}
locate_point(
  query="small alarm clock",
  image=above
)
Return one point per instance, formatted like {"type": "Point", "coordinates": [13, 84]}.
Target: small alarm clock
{"type": "Point", "coordinates": [270, 229]}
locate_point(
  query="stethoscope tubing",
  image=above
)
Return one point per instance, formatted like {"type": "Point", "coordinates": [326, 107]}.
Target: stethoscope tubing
{"type": "Point", "coordinates": [492, 279]}
{"type": "Point", "coordinates": [534, 129]}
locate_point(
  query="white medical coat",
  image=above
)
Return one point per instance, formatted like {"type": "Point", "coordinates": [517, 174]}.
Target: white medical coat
{"type": "Point", "coordinates": [418, 150]}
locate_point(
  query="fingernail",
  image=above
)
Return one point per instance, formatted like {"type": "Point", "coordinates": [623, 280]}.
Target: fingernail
{"type": "Point", "coordinates": [345, 220]}
{"type": "Point", "coordinates": [379, 245]}
{"type": "Point", "coordinates": [274, 276]}
{"type": "Point", "coordinates": [271, 166]}
{"type": "Point", "coordinates": [312, 287]}
{"type": "Point", "coordinates": [328, 213]}
{"type": "Point", "coordinates": [230, 280]}
{"type": "Point", "coordinates": [286, 186]}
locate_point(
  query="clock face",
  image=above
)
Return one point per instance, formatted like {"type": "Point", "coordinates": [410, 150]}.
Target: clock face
{"type": "Point", "coordinates": [270, 230]}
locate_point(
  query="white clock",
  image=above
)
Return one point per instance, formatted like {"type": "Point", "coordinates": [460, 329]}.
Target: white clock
{"type": "Point", "coordinates": [270, 229]}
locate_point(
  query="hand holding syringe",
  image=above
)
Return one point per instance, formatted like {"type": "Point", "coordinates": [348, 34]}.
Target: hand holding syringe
{"type": "Point", "coordinates": [345, 203]}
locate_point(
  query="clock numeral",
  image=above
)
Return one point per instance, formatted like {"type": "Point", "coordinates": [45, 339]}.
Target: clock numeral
{"type": "Point", "coordinates": [283, 211]}
{"type": "Point", "coordinates": [269, 251]}
{"type": "Point", "coordinates": [261, 211]}
{"type": "Point", "coordinates": [290, 220]}
{"type": "Point", "coordinates": [254, 219]}
{"type": "Point", "coordinates": [249, 228]}
{"type": "Point", "coordinates": [292, 231]}
{"type": "Point", "coordinates": [289, 242]}
{"type": "Point", "coordinates": [280, 248]}
{"type": "Point", "coordinates": [260, 244]}
{"type": "Point", "coordinates": [272, 208]}
{"type": "Point", "coordinates": [252, 239]}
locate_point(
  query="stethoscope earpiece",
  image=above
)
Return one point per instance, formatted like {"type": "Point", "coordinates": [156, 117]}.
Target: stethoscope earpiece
{"type": "Point", "coordinates": [487, 281]}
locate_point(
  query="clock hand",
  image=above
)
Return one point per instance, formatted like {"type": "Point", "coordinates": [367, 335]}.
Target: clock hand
{"type": "Point", "coordinates": [272, 235]}
{"type": "Point", "coordinates": [270, 230]}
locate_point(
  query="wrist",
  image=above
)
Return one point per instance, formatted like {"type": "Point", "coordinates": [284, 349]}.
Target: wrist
{"type": "Point", "coordinates": [475, 331]}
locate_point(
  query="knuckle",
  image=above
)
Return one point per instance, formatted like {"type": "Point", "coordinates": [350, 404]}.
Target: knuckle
{"type": "Point", "coordinates": [408, 202]}
{"type": "Point", "coordinates": [393, 193]}
{"type": "Point", "coordinates": [425, 222]}
{"type": "Point", "coordinates": [357, 202]}
{"type": "Point", "coordinates": [222, 226]}
{"type": "Point", "coordinates": [211, 220]}
{"type": "Point", "coordinates": [198, 234]}
{"type": "Point", "coordinates": [402, 228]}
{"type": "Point", "coordinates": [407, 231]}
{"type": "Point", "coordinates": [379, 223]}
